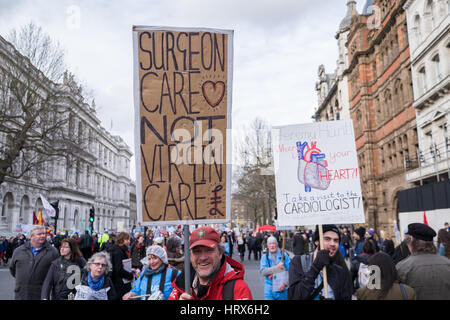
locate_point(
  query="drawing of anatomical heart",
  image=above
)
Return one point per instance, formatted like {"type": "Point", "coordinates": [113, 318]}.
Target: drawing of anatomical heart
{"type": "Point", "coordinates": [312, 167]}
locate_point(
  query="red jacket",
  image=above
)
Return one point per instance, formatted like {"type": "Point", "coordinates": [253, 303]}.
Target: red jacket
{"type": "Point", "coordinates": [229, 270]}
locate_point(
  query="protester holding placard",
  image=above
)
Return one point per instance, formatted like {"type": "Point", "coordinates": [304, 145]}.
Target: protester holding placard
{"type": "Point", "coordinates": [274, 268]}
{"type": "Point", "coordinates": [155, 281]}
{"type": "Point", "coordinates": [137, 252]}
{"type": "Point", "coordinates": [305, 272]}
{"type": "Point", "coordinates": [215, 276]}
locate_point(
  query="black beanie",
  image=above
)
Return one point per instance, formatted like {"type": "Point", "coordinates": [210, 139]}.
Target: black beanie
{"type": "Point", "coordinates": [361, 232]}
{"type": "Point", "coordinates": [326, 228]}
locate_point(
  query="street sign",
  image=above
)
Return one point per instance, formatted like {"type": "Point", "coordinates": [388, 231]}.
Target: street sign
{"type": "Point", "coordinates": [182, 96]}
{"type": "Point", "coordinates": [316, 174]}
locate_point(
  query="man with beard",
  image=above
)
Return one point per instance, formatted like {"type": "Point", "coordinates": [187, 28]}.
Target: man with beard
{"type": "Point", "coordinates": [305, 272]}
{"type": "Point", "coordinates": [214, 276]}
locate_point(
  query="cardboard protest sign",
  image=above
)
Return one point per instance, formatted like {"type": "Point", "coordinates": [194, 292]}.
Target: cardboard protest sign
{"type": "Point", "coordinates": [183, 85]}
{"type": "Point", "coordinates": [316, 174]}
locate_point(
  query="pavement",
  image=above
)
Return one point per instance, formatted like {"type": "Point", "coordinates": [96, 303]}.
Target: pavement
{"type": "Point", "coordinates": [7, 284]}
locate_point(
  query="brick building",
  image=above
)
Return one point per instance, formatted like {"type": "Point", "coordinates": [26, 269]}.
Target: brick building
{"type": "Point", "coordinates": [381, 106]}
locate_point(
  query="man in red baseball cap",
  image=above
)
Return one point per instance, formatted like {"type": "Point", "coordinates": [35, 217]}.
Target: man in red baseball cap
{"type": "Point", "coordinates": [214, 276]}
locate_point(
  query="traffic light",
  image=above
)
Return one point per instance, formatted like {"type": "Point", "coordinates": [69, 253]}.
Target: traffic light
{"type": "Point", "coordinates": [91, 215]}
{"type": "Point", "coordinates": [55, 205]}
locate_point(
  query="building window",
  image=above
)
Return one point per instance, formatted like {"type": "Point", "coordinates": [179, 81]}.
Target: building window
{"type": "Point", "coordinates": [429, 16]}
{"type": "Point", "coordinates": [436, 63]}
{"type": "Point", "coordinates": [417, 28]}
{"type": "Point", "coordinates": [423, 80]}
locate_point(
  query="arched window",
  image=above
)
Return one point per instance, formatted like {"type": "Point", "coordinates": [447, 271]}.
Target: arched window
{"type": "Point", "coordinates": [423, 87]}
{"type": "Point", "coordinates": [397, 99]}
{"type": "Point", "coordinates": [417, 28]}
{"type": "Point", "coordinates": [402, 96]}
{"type": "Point", "coordinates": [437, 69]}
{"type": "Point", "coordinates": [359, 123]}
{"type": "Point", "coordinates": [387, 103]}
{"type": "Point", "coordinates": [429, 16]}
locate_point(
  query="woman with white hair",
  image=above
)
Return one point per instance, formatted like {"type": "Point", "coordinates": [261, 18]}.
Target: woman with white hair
{"type": "Point", "coordinates": [95, 281]}
{"type": "Point", "coordinates": [156, 279]}
{"type": "Point", "coordinates": [273, 269]}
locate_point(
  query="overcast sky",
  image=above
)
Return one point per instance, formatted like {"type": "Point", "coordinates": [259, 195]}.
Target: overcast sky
{"type": "Point", "coordinates": [278, 47]}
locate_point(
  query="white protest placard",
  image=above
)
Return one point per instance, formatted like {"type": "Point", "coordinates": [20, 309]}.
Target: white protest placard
{"type": "Point", "coordinates": [126, 263]}
{"type": "Point", "coordinates": [316, 174]}
{"type": "Point", "coordinates": [86, 293]}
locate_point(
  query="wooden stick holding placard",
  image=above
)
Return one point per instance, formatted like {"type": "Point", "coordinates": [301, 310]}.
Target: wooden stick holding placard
{"type": "Point", "coordinates": [324, 270]}
{"type": "Point", "coordinates": [187, 261]}
{"type": "Point", "coordinates": [283, 246]}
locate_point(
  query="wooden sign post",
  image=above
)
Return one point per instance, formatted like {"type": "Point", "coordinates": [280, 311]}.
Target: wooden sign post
{"type": "Point", "coordinates": [324, 270]}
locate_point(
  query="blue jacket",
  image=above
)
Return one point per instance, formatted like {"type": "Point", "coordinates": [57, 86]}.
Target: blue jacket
{"type": "Point", "coordinates": [3, 245]}
{"type": "Point", "coordinates": [265, 263]}
{"type": "Point", "coordinates": [227, 248]}
{"type": "Point", "coordinates": [140, 285]}
{"type": "Point", "coordinates": [358, 247]}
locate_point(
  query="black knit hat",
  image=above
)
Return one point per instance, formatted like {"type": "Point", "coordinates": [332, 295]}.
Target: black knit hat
{"type": "Point", "coordinates": [326, 228]}
{"type": "Point", "coordinates": [361, 231]}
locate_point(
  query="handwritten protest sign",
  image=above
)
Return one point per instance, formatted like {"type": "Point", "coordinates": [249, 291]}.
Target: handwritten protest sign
{"type": "Point", "coordinates": [316, 174]}
{"type": "Point", "coordinates": [183, 82]}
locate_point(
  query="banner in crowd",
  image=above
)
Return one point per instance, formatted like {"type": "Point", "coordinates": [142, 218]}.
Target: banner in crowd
{"type": "Point", "coordinates": [316, 174]}
{"type": "Point", "coordinates": [182, 94]}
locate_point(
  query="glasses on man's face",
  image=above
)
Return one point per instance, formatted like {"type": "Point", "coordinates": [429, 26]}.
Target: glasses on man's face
{"type": "Point", "coordinates": [99, 265]}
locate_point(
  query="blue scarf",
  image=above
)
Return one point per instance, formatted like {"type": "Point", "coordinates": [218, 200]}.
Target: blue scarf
{"type": "Point", "coordinates": [95, 284]}
{"type": "Point", "coordinates": [149, 271]}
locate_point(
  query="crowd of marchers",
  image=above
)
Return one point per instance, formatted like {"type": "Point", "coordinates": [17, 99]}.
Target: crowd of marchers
{"type": "Point", "coordinates": [130, 266]}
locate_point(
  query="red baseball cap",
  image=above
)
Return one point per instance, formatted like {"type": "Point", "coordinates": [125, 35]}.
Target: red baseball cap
{"type": "Point", "coordinates": [204, 236]}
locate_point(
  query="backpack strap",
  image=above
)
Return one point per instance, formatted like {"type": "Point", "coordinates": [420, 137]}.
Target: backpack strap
{"type": "Point", "coordinates": [316, 291]}
{"type": "Point", "coordinates": [162, 281]}
{"type": "Point", "coordinates": [402, 288]}
{"type": "Point", "coordinates": [149, 284]}
{"type": "Point", "coordinates": [174, 274]}
{"type": "Point", "coordinates": [228, 290]}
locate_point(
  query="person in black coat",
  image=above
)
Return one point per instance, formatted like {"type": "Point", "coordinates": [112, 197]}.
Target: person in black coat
{"type": "Point", "coordinates": [401, 251]}
{"type": "Point", "coordinates": [121, 278]}
{"type": "Point", "coordinates": [60, 270]}
{"type": "Point", "coordinates": [251, 246]}
{"type": "Point", "coordinates": [305, 272]}
{"type": "Point", "coordinates": [86, 245]}
{"type": "Point", "coordinates": [298, 244]}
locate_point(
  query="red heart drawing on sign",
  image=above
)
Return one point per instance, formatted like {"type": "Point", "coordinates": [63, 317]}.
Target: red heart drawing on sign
{"type": "Point", "coordinates": [213, 92]}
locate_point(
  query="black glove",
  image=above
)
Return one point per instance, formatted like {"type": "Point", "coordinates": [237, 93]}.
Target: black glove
{"type": "Point", "coordinates": [322, 259]}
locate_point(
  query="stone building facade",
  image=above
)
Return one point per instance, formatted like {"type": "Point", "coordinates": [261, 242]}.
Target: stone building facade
{"type": "Point", "coordinates": [429, 38]}
{"type": "Point", "coordinates": [332, 89]}
{"type": "Point", "coordinates": [381, 106]}
{"type": "Point", "coordinates": [98, 177]}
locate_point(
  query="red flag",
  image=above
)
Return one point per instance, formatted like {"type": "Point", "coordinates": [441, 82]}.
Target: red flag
{"type": "Point", "coordinates": [35, 220]}
{"type": "Point", "coordinates": [425, 219]}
